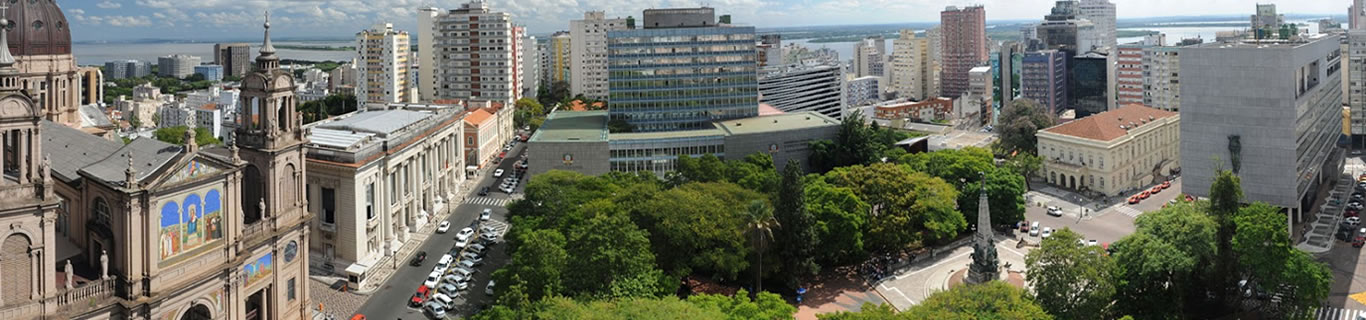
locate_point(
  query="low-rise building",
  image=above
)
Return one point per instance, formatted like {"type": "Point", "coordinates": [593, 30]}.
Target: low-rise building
{"type": "Point", "coordinates": [481, 137]}
{"type": "Point", "coordinates": [579, 141]}
{"type": "Point", "coordinates": [929, 110]}
{"type": "Point", "coordinates": [1112, 152]}
{"type": "Point", "coordinates": [143, 106]}
{"type": "Point", "coordinates": [863, 91]}
{"type": "Point", "coordinates": [378, 175]}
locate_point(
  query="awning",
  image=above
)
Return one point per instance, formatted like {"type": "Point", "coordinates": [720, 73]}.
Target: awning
{"type": "Point", "coordinates": [357, 269]}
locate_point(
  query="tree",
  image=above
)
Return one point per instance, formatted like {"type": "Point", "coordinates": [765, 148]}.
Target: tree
{"type": "Point", "coordinates": [840, 219]}
{"type": "Point", "coordinates": [612, 256]}
{"type": "Point", "coordinates": [538, 266]}
{"type": "Point", "coordinates": [797, 243]}
{"type": "Point", "coordinates": [527, 109]}
{"type": "Point", "coordinates": [1272, 265]}
{"type": "Point", "coordinates": [964, 168]}
{"type": "Point", "coordinates": [991, 300]}
{"type": "Point", "coordinates": [760, 223]}
{"type": "Point", "coordinates": [1160, 264]}
{"type": "Point", "coordinates": [1226, 195]}
{"type": "Point", "coordinates": [134, 121]}
{"type": "Point", "coordinates": [1024, 164]}
{"type": "Point", "coordinates": [855, 143]}
{"type": "Point", "coordinates": [754, 172]}
{"type": "Point", "coordinates": [1071, 280]}
{"type": "Point", "coordinates": [908, 208]}
{"type": "Point", "coordinates": [176, 135]}
{"type": "Point", "coordinates": [698, 228]}
{"type": "Point", "coordinates": [1019, 122]}
{"type": "Point", "coordinates": [556, 92]}
{"type": "Point", "coordinates": [764, 306]}
{"type": "Point", "coordinates": [195, 77]}
{"type": "Point", "coordinates": [868, 311]}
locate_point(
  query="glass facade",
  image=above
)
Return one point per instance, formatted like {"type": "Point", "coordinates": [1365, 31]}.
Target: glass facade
{"type": "Point", "coordinates": [682, 78]}
{"type": "Point", "coordinates": [661, 155]}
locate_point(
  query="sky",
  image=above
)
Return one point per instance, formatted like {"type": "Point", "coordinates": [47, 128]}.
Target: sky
{"type": "Point", "coordinates": [209, 20]}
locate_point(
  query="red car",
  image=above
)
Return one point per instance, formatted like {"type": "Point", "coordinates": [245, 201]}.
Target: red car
{"type": "Point", "coordinates": [1156, 189]}
{"type": "Point", "coordinates": [1133, 200]}
{"type": "Point", "coordinates": [1166, 184]}
{"type": "Point", "coordinates": [1024, 226]}
{"type": "Point", "coordinates": [1359, 241]}
{"type": "Point", "coordinates": [419, 297]}
{"type": "Point", "coordinates": [1144, 195]}
{"type": "Point", "coordinates": [1350, 213]}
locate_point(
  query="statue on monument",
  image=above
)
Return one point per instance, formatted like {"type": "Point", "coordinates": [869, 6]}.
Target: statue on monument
{"type": "Point", "coordinates": [70, 282]}
{"type": "Point", "coordinates": [104, 264]}
{"type": "Point", "coordinates": [985, 264]}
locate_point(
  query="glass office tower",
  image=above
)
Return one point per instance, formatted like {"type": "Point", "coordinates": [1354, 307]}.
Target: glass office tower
{"type": "Point", "coordinates": [681, 77]}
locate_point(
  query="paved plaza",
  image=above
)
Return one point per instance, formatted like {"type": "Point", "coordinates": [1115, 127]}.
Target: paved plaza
{"type": "Point", "coordinates": [922, 279]}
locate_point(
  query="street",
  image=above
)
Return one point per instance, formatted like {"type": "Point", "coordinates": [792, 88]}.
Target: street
{"type": "Point", "coordinates": [1106, 225]}
{"type": "Point", "coordinates": [391, 300]}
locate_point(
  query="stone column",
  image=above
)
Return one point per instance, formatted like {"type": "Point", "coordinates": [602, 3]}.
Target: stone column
{"type": "Point", "coordinates": [33, 257]}
{"type": "Point", "coordinates": [23, 156]}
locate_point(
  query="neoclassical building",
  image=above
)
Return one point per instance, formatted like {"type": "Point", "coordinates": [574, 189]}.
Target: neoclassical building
{"type": "Point", "coordinates": [152, 230]}
{"type": "Point", "coordinates": [41, 43]}
{"type": "Point", "coordinates": [1112, 152]}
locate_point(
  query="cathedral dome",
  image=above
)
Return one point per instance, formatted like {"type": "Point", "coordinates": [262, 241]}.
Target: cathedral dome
{"type": "Point", "coordinates": [37, 27]}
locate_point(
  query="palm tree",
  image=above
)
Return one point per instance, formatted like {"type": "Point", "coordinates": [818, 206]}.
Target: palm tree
{"type": "Point", "coordinates": [759, 220]}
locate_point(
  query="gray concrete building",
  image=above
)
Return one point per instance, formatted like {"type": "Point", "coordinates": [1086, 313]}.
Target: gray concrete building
{"type": "Point", "coordinates": [1269, 111]}
{"type": "Point", "coordinates": [176, 66]}
{"type": "Point", "coordinates": [234, 57]}
{"type": "Point", "coordinates": [804, 87]}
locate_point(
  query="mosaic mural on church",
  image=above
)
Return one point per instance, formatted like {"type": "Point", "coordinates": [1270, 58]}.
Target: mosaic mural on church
{"type": "Point", "coordinates": [191, 222]}
{"type": "Point", "coordinates": [260, 269]}
{"type": "Point", "coordinates": [192, 170]}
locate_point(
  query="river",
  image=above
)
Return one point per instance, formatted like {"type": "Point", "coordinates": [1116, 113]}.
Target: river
{"type": "Point", "coordinates": [99, 53]}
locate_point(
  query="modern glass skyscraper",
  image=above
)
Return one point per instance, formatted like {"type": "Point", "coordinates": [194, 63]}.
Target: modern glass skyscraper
{"type": "Point", "coordinates": [681, 75]}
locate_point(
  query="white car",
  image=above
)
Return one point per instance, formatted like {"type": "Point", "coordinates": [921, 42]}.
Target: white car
{"type": "Point", "coordinates": [1353, 221]}
{"type": "Point", "coordinates": [486, 215]}
{"type": "Point", "coordinates": [498, 173]}
{"type": "Point", "coordinates": [443, 227]}
{"type": "Point", "coordinates": [1046, 232]}
{"type": "Point", "coordinates": [489, 289]}
{"type": "Point", "coordinates": [432, 280]}
{"type": "Point", "coordinates": [444, 300]}
{"type": "Point", "coordinates": [1054, 211]}
{"type": "Point", "coordinates": [464, 234]}
{"type": "Point", "coordinates": [436, 310]}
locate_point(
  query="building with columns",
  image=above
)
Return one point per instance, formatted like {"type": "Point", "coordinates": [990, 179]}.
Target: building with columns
{"type": "Point", "coordinates": [1112, 152]}
{"type": "Point", "coordinates": [158, 231]}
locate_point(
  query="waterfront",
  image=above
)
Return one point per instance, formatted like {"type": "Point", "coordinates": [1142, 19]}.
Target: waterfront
{"type": "Point", "coordinates": [99, 53]}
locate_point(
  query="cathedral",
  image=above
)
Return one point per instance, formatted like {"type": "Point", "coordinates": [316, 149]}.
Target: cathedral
{"type": "Point", "coordinates": [97, 229]}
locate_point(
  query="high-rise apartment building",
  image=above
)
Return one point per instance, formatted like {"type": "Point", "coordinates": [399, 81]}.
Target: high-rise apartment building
{"type": "Point", "coordinates": [1356, 80]}
{"type": "Point", "coordinates": [770, 50]}
{"type": "Point", "coordinates": [1102, 14]}
{"type": "Point", "coordinates": [905, 66]}
{"type": "Point", "coordinates": [796, 88]}
{"type": "Point", "coordinates": [1276, 128]}
{"type": "Point", "coordinates": [1162, 78]}
{"type": "Point", "coordinates": [1060, 29]}
{"type": "Point", "coordinates": [176, 66]}
{"type": "Point", "coordinates": [1129, 74]}
{"type": "Point", "coordinates": [531, 66]}
{"type": "Point", "coordinates": [1356, 15]}
{"type": "Point", "coordinates": [477, 54]}
{"type": "Point", "coordinates": [588, 53]}
{"type": "Point", "coordinates": [426, 54]}
{"type": "Point", "coordinates": [561, 57]}
{"type": "Point", "coordinates": [234, 57]}
{"type": "Point", "coordinates": [719, 73]}
{"type": "Point", "coordinates": [965, 46]}
{"type": "Point", "coordinates": [868, 57]}
{"type": "Point", "coordinates": [124, 69]}
{"type": "Point", "coordinates": [1043, 78]}
{"type": "Point", "coordinates": [382, 61]}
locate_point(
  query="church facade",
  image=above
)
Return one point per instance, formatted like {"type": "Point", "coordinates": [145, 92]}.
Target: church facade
{"type": "Point", "coordinates": [150, 230]}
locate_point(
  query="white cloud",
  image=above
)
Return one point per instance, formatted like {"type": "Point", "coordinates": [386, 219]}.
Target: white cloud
{"type": "Point", "coordinates": [109, 5]}
{"type": "Point", "coordinates": [126, 21]}
{"type": "Point", "coordinates": [76, 11]}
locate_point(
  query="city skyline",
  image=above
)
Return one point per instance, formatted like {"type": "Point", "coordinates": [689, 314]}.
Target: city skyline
{"type": "Point", "coordinates": [116, 20]}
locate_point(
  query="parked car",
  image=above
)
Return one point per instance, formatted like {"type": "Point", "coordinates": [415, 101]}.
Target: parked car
{"type": "Point", "coordinates": [1023, 225]}
{"type": "Point", "coordinates": [432, 279]}
{"type": "Point", "coordinates": [1054, 211]}
{"type": "Point", "coordinates": [435, 310]}
{"type": "Point", "coordinates": [453, 278]}
{"type": "Point", "coordinates": [1034, 229]}
{"type": "Point", "coordinates": [1166, 184]}
{"type": "Point", "coordinates": [480, 248]}
{"type": "Point", "coordinates": [486, 215]}
{"type": "Point", "coordinates": [466, 273]}
{"type": "Point", "coordinates": [1144, 195]}
{"type": "Point", "coordinates": [445, 300]}
{"type": "Point", "coordinates": [464, 234]}
{"type": "Point", "coordinates": [420, 296]}
{"type": "Point", "coordinates": [1133, 200]}
{"type": "Point", "coordinates": [448, 289]}
{"type": "Point", "coordinates": [418, 259]}
{"type": "Point", "coordinates": [443, 227]}
{"type": "Point", "coordinates": [498, 173]}
{"type": "Point", "coordinates": [489, 289]}
{"type": "Point", "coordinates": [484, 191]}
{"type": "Point", "coordinates": [488, 237]}
{"type": "Point", "coordinates": [1353, 221]}
{"type": "Point", "coordinates": [1047, 232]}
{"type": "Point", "coordinates": [470, 255]}
{"type": "Point", "coordinates": [471, 263]}
{"type": "Point", "coordinates": [1360, 239]}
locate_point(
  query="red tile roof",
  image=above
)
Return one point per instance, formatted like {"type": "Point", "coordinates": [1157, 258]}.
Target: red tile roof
{"type": "Point", "coordinates": [477, 117]}
{"type": "Point", "coordinates": [1105, 126]}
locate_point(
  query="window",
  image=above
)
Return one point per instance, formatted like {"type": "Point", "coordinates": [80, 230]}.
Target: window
{"type": "Point", "coordinates": [329, 205]}
{"type": "Point", "coordinates": [289, 289]}
{"type": "Point", "coordinates": [393, 195]}
{"type": "Point", "coordinates": [369, 201]}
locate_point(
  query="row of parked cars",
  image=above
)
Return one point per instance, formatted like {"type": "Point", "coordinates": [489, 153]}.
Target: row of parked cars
{"type": "Point", "coordinates": [454, 271]}
{"type": "Point", "coordinates": [1135, 199]}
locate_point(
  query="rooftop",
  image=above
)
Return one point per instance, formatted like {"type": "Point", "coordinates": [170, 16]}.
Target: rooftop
{"type": "Point", "coordinates": [778, 122]}
{"type": "Point", "coordinates": [980, 69]}
{"type": "Point", "coordinates": [149, 155]}
{"type": "Point", "coordinates": [1109, 125]}
{"type": "Point", "coordinates": [70, 149]}
{"type": "Point", "coordinates": [709, 132]}
{"type": "Point", "coordinates": [381, 123]}
{"type": "Point", "coordinates": [478, 116]}
{"type": "Point", "coordinates": [565, 126]}
{"type": "Point", "coordinates": [1294, 42]}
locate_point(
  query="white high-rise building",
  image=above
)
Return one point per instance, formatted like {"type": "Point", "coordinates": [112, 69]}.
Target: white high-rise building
{"type": "Point", "coordinates": [1161, 78]}
{"type": "Point", "coordinates": [868, 55]}
{"type": "Point", "coordinates": [426, 48]}
{"type": "Point", "coordinates": [177, 66]}
{"type": "Point", "coordinates": [905, 66]}
{"type": "Point", "coordinates": [478, 60]}
{"type": "Point", "coordinates": [382, 66]}
{"type": "Point", "coordinates": [1356, 79]}
{"type": "Point", "coordinates": [588, 53]}
{"type": "Point", "coordinates": [1102, 14]}
{"type": "Point", "coordinates": [531, 66]}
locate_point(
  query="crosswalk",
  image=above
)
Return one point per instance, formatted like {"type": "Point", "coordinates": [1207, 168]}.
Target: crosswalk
{"type": "Point", "coordinates": [487, 201]}
{"type": "Point", "coordinates": [1128, 211]}
{"type": "Point", "coordinates": [499, 227]}
{"type": "Point", "coordinates": [1331, 313]}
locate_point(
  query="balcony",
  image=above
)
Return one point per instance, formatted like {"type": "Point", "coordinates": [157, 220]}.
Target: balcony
{"type": "Point", "coordinates": [86, 297]}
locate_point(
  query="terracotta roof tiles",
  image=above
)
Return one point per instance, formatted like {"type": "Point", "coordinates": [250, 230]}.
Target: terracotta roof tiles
{"type": "Point", "coordinates": [1105, 126]}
